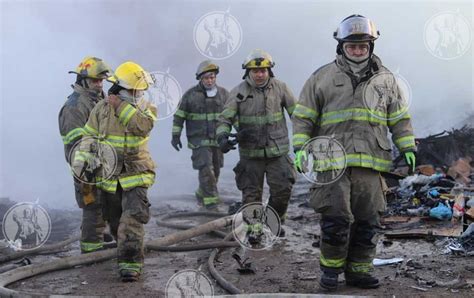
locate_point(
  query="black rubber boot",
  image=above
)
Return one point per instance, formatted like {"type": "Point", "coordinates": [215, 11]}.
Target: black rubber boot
{"type": "Point", "coordinates": [328, 281]}
{"type": "Point", "coordinates": [129, 275]}
{"type": "Point", "coordinates": [363, 281]}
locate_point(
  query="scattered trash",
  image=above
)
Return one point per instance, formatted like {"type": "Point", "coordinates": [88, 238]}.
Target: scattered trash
{"type": "Point", "coordinates": [382, 262]}
{"type": "Point", "coordinates": [245, 268]}
{"type": "Point", "coordinates": [419, 289]}
{"type": "Point", "coordinates": [84, 283]}
{"type": "Point", "coordinates": [441, 212]}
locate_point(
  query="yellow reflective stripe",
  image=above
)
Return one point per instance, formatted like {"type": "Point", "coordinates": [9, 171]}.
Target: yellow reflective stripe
{"type": "Point", "coordinates": [176, 129]}
{"type": "Point", "coordinates": [121, 141]}
{"type": "Point", "coordinates": [127, 113]}
{"type": "Point", "coordinates": [405, 142]}
{"type": "Point", "coordinates": [299, 139]}
{"type": "Point", "coordinates": [331, 263]}
{"type": "Point", "coordinates": [265, 152]}
{"type": "Point", "coordinates": [73, 135]}
{"type": "Point", "coordinates": [137, 180]}
{"type": "Point", "coordinates": [398, 113]}
{"type": "Point", "coordinates": [356, 267]}
{"type": "Point", "coordinates": [353, 160]}
{"type": "Point", "coordinates": [107, 185]}
{"type": "Point", "coordinates": [260, 120]}
{"type": "Point", "coordinates": [130, 266]}
{"type": "Point", "coordinates": [305, 113]}
{"type": "Point", "coordinates": [91, 246]}
{"type": "Point", "coordinates": [291, 109]}
{"type": "Point", "coordinates": [83, 156]}
{"type": "Point", "coordinates": [356, 114]}
{"type": "Point", "coordinates": [180, 113]}
{"type": "Point", "coordinates": [223, 128]}
{"type": "Point", "coordinates": [150, 114]}
{"type": "Point", "coordinates": [90, 130]}
{"type": "Point", "coordinates": [202, 116]}
{"type": "Point", "coordinates": [254, 228]}
{"type": "Point", "coordinates": [229, 113]}
{"type": "Point", "coordinates": [210, 200]}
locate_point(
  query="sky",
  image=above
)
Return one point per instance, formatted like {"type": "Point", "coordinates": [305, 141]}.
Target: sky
{"type": "Point", "coordinates": [42, 40]}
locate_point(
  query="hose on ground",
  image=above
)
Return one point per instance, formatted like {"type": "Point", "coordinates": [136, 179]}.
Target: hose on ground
{"type": "Point", "coordinates": [164, 220]}
{"type": "Point", "coordinates": [43, 249]}
{"type": "Point", "coordinates": [14, 275]}
{"type": "Point", "coordinates": [226, 285]}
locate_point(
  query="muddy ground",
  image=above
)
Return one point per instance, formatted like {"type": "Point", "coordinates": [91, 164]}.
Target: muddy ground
{"type": "Point", "coordinates": [290, 266]}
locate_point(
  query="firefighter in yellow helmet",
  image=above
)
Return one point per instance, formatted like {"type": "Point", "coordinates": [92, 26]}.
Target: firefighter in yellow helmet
{"type": "Point", "coordinates": [125, 120]}
{"type": "Point", "coordinates": [333, 103]}
{"type": "Point", "coordinates": [73, 116]}
{"type": "Point", "coordinates": [199, 109]}
{"type": "Point", "coordinates": [256, 110]}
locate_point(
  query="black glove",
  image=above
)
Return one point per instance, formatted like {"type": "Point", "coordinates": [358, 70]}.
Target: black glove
{"type": "Point", "coordinates": [176, 142]}
{"type": "Point", "coordinates": [225, 144]}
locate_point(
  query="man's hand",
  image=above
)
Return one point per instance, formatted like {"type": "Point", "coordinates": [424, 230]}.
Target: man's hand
{"type": "Point", "coordinates": [176, 142]}
{"type": "Point", "coordinates": [225, 144]}
{"type": "Point", "coordinates": [114, 101]}
{"type": "Point", "coordinates": [410, 159]}
{"type": "Point", "coordinates": [300, 161]}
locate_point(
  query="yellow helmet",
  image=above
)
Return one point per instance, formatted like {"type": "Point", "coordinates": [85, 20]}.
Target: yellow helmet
{"type": "Point", "coordinates": [258, 59]}
{"type": "Point", "coordinates": [93, 67]}
{"type": "Point", "coordinates": [206, 66]}
{"type": "Point", "coordinates": [131, 76]}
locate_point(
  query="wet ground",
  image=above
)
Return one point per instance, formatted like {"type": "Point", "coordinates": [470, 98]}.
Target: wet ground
{"type": "Point", "coordinates": [290, 266]}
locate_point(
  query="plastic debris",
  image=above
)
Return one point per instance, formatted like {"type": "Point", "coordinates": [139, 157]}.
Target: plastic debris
{"type": "Point", "coordinates": [382, 262]}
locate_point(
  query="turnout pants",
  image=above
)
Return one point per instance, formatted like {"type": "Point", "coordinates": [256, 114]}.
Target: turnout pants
{"type": "Point", "coordinates": [127, 212]}
{"type": "Point", "coordinates": [208, 161]}
{"type": "Point", "coordinates": [350, 209]}
{"type": "Point", "coordinates": [280, 174]}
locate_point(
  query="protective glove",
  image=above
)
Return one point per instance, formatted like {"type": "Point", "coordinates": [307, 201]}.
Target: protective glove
{"type": "Point", "coordinates": [225, 144]}
{"type": "Point", "coordinates": [410, 159]}
{"type": "Point", "coordinates": [176, 142]}
{"type": "Point", "coordinates": [300, 161]}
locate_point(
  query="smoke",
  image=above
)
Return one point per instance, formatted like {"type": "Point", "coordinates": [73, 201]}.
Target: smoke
{"type": "Point", "coordinates": [43, 40]}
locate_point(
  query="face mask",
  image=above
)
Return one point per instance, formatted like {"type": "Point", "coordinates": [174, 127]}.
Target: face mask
{"type": "Point", "coordinates": [211, 92]}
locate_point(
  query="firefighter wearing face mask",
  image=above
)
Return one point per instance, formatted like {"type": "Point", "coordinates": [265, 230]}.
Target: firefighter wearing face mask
{"type": "Point", "coordinates": [336, 102]}
{"type": "Point", "coordinates": [199, 109]}
{"type": "Point", "coordinates": [124, 121]}
{"type": "Point", "coordinates": [73, 116]}
{"type": "Point", "coordinates": [256, 109]}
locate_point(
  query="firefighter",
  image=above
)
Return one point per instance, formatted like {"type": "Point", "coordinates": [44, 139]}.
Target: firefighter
{"type": "Point", "coordinates": [73, 116]}
{"type": "Point", "coordinates": [333, 103]}
{"type": "Point", "coordinates": [199, 109]}
{"type": "Point", "coordinates": [256, 110]}
{"type": "Point", "coordinates": [124, 120]}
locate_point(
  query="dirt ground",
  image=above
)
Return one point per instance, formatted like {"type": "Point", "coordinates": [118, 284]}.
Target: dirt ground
{"type": "Point", "coordinates": [290, 266]}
